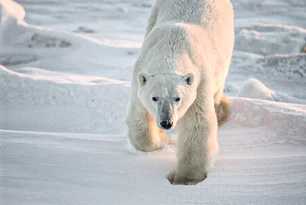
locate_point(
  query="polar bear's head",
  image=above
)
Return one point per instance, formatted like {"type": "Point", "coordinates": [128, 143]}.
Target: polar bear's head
{"type": "Point", "coordinates": [166, 97]}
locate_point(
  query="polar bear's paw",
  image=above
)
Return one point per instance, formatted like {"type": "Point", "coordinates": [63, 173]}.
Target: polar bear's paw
{"type": "Point", "coordinates": [186, 178]}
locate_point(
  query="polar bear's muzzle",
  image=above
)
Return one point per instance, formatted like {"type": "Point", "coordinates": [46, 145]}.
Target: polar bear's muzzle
{"type": "Point", "coordinates": [166, 119]}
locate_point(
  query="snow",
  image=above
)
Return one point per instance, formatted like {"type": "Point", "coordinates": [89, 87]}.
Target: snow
{"type": "Point", "coordinates": [268, 39]}
{"type": "Point", "coordinates": [253, 88]}
{"type": "Point", "coordinates": [64, 80]}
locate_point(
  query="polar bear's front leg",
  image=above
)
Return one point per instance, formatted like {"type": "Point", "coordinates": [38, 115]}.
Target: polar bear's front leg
{"type": "Point", "coordinates": [197, 142]}
{"type": "Point", "coordinates": [142, 129]}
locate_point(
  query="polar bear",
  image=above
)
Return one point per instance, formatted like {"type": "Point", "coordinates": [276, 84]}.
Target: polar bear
{"type": "Point", "coordinates": [178, 82]}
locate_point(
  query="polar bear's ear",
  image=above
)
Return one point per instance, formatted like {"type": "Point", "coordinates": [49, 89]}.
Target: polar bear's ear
{"type": "Point", "coordinates": [142, 78]}
{"type": "Point", "coordinates": [188, 78]}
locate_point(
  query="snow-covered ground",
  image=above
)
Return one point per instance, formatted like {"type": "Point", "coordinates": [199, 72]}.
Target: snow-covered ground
{"type": "Point", "coordinates": [64, 88]}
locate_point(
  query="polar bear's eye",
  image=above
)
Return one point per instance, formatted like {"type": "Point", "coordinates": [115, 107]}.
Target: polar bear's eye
{"type": "Point", "coordinates": [177, 99]}
{"type": "Point", "coordinates": [155, 99]}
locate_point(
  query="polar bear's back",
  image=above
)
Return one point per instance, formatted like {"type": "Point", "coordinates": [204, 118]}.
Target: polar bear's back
{"type": "Point", "coordinates": [195, 12]}
{"type": "Point", "coordinates": [199, 30]}
{"type": "Point", "coordinates": [214, 17]}
{"type": "Point", "coordinates": [209, 22]}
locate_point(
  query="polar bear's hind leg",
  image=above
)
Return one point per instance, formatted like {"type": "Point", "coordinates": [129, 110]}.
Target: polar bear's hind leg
{"type": "Point", "coordinates": [222, 110]}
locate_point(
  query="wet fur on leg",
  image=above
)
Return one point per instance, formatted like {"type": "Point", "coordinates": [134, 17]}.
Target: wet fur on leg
{"type": "Point", "coordinates": [222, 111]}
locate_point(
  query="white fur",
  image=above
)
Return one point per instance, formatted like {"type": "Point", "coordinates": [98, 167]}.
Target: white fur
{"type": "Point", "coordinates": [184, 38]}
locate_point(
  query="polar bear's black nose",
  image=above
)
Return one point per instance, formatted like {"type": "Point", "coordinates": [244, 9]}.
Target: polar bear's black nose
{"type": "Point", "coordinates": [166, 124]}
